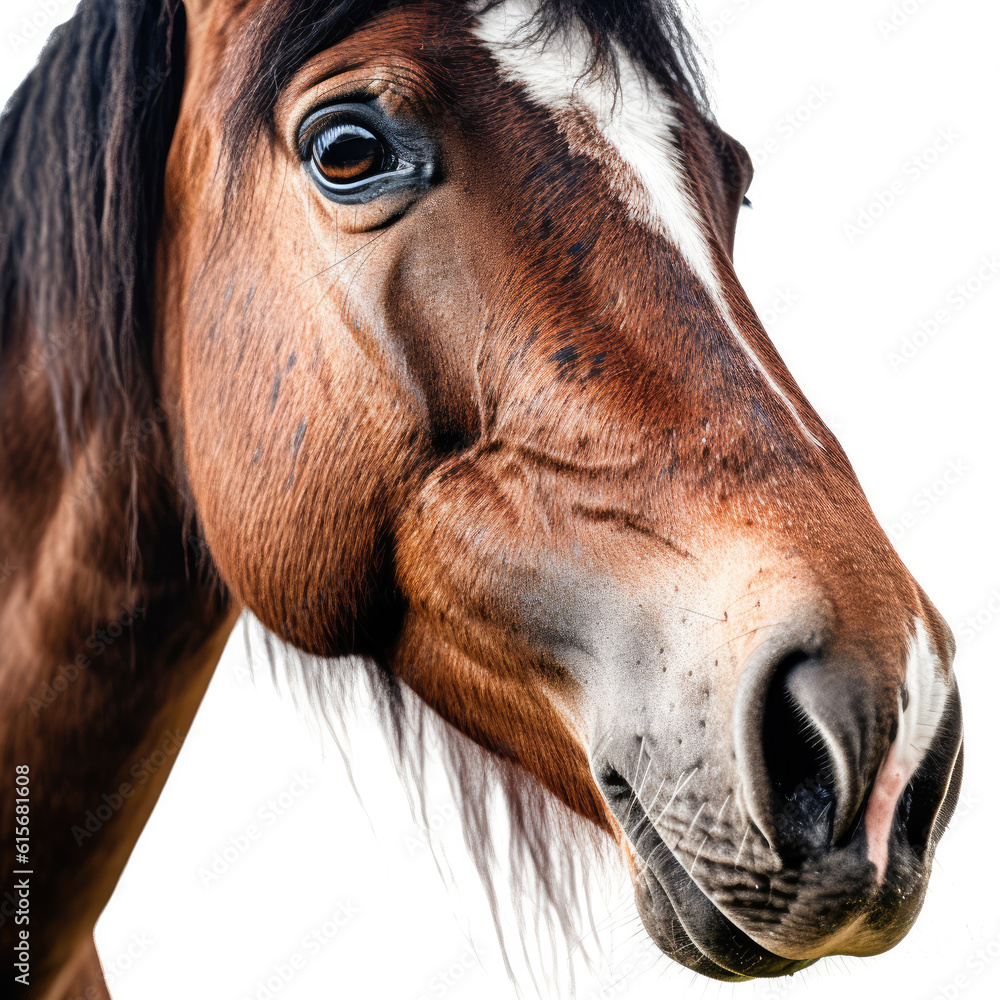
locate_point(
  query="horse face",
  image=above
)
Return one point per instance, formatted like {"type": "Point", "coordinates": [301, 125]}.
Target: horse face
{"type": "Point", "coordinates": [465, 382]}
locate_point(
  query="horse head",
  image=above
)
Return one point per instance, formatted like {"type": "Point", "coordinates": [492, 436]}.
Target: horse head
{"type": "Point", "coordinates": [460, 378]}
{"type": "Point", "coordinates": [469, 385]}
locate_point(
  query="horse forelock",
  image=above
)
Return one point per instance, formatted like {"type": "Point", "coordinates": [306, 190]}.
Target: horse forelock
{"type": "Point", "coordinates": [284, 34]}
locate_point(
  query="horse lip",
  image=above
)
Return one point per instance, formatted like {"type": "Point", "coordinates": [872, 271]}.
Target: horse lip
{"type": "Point", "coordinates": [690, 905]}
{"type": "Point", "coordinates": [704, 965]}
{"type": "Point", "coordinates": [700, 918]}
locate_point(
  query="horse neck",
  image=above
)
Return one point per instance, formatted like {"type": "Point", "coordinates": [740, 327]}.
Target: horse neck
{"type": "Point", "coordinates": [108, 646]}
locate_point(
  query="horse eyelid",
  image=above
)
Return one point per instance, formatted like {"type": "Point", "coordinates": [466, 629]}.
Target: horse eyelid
{"type": "Point", "coordinates": [409, 147]}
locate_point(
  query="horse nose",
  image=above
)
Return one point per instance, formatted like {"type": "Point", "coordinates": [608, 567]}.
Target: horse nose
{"type": "Point", "coordinates": [809, 742]}
{"type": "Point", "coordinates": [822, 751]}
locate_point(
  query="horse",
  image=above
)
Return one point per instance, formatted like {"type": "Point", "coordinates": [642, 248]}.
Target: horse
{"type": "Point", "coordinates": [412, 328]}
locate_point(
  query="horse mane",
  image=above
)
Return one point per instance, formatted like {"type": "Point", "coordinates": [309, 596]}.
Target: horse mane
{"type": "Point", "coordinates": [83, 147]}
{"type": "Point", "coordinates": [537, 861]}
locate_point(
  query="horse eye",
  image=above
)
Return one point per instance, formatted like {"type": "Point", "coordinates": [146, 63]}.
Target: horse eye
{"type": "Point", "coordinates": [346, 153]}
{"type": "Point", "coordinates": [355, 153]}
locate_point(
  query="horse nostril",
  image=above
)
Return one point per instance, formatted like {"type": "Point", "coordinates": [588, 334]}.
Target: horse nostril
{"type": "Point", "coordinates": [798, 765]}
{"type": "Point", "coordinates": [804, 726]}
{"type": "Point", "coordinates": [621, 797]}
{"type": "Point", "coordinates": [930, 797]}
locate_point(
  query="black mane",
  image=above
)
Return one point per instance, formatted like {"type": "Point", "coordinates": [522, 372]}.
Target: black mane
{"type": "Point", "coordinates": [83, 145]}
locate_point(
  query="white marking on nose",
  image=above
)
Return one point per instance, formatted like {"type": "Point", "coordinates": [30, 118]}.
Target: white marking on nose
{"type": "Point", "coordinates": [920, 715]}
{"type": "Point", "coordinates": [638, 121]}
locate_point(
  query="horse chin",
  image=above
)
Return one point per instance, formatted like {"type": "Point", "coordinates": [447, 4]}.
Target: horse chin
{"type": "Point", "coordinates": [685, 923]}
{"type": "Point", "coordinates": [688, 927]}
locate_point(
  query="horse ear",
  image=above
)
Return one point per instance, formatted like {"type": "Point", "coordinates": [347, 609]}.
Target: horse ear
{"type": "Point", "coordinates": [735, 170]}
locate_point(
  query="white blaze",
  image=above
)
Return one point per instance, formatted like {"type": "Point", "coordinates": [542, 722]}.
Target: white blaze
{"type": "Point", "coordinates": [636, 121]}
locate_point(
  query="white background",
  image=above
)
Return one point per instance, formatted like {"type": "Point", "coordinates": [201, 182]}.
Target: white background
{"type": "Point", "coordinates": [838, 308]}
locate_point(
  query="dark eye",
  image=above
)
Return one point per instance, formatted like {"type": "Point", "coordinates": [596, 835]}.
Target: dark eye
{"type": "Point", "coordinates": [356, 153]}
{"type": "Point", "coordinates": [347, 152]}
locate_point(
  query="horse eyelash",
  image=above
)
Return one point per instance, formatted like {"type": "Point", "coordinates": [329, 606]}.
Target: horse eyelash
{"type": "Point", "coordinates": [315, 121]}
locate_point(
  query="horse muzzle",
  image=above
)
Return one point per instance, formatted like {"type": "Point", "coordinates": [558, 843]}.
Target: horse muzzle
{"type": "Point", "coordinates": [808, 828]}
